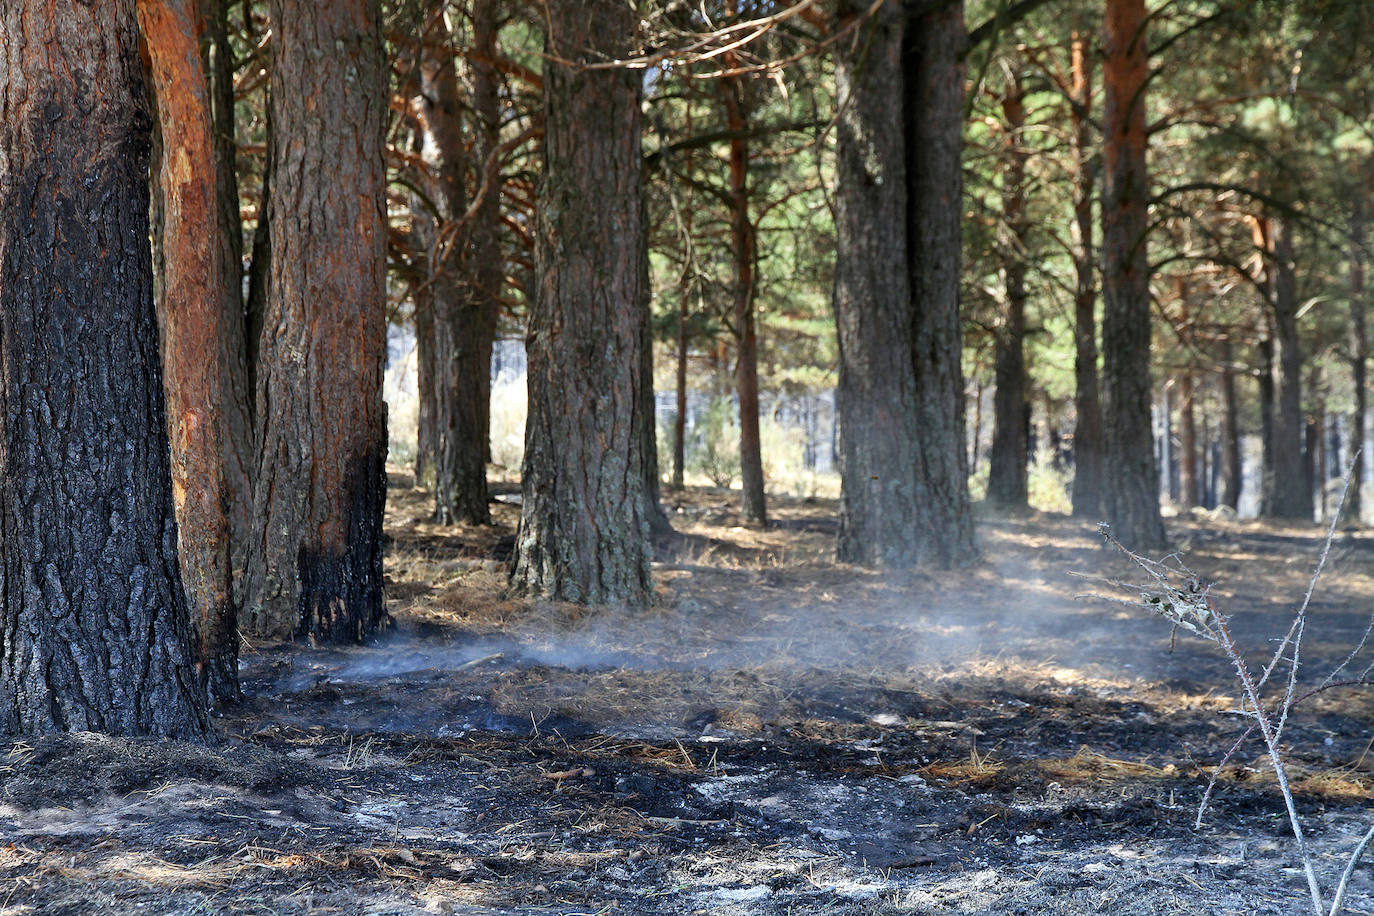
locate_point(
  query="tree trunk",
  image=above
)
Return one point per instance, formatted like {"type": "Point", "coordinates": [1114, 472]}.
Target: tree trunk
{"type": "Point", "coordinates": [876, 395]}
{"type": "Point", "coordinates": [1230, 432]}
{"type": "Point", "coordinates": [316, 570]}
{"type": "Point", "coordinates": [754, 506]}
{"type": "Point", "coordinates": [583, 536]}
{"type": "Point", "coordinates": [646, 409]}
{"type": "Point", "coordinates": [1359, 350]}
{"type": "Point", "coordinates": [1132, 502]}
{"type": "Point", "coordinates": [1007, 476]}
{"type": "Point", "coordinates": [1087, 437]}
{"type": "Point", "coordinates": [422, 225]}
{"type": "Point", "coordinates": [680, 417]}
{"type": "Point", "coordinates": [196, 331]}
{"type": "Point", "coordinates": [97, 635]}
{"type": "Point", "coordinates": [1187, 443]}
{"type": "Point", "coordinates": [1292, 494]}
{"type": "Point", "coordinates": [464, 322]}
{"type": "Point", "coordinates": [487, 258]}
{"type": "Point", "coordinates": [933, 50]}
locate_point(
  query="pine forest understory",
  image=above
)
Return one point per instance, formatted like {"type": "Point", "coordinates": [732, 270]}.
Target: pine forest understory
{"type": "Point", "coordinates": [650, 457]}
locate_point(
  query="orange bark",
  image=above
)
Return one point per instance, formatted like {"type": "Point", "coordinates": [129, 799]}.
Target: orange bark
{"type": "Point", "coordinates": [195, 376]}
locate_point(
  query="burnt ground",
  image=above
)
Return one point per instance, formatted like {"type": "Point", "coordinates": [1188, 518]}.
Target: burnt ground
{"type": "Point", "coordinates": [778, 735]}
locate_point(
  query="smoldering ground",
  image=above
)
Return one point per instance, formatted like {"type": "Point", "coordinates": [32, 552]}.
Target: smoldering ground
{"type": "Point", "coordinates": [777, 735]}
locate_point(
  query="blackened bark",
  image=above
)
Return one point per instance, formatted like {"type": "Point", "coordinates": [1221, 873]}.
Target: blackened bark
{"type": "Point", "coordinates": [195, 352]}
{"type": "Point", "coordinates": [1132, 502]}
{"type": "Point", "coordinates": [1007, 475]}
{"type": "Point", "coordinates": [583, 536]}
{"type": "Point", "coordinates": [1087, 434]}
{"type": "Point", "coordinates": [933, 98]}
{"type": "Point", "coordinates": [876, 395]}
{"type": "Point", "coordinates": [316, 566]}
{"type": "Point", "coordinates": [1292, 495]}
{"type": "Point", "coordinates": [96, 634]}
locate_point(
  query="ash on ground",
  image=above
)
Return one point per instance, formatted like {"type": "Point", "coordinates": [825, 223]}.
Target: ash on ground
{"type": "Point", "coordinates": [778, 735]}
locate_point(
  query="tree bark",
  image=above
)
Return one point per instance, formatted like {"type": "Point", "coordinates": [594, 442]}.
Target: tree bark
{"type": "Point", "coordinates": [1007, 475]}
{"type": "Point", "coordinates": [1292, 495]}
{"type": "Point", "coordinates": [680, 417]}
{"type": "Point", "coordinates": [316, 569]}
{"type": "Point", "coordinates": [754, 505]}
{"type": "Point", "coordinates": [583, 536]}
{"type": "Point", "coordinates": [876, 395]}
{"type": "Point", "coordinates": [1087, 436]}
{"type": "Point", "coordinates": [1230, 432]}
{"type": "Point", "coordinates": [1187, 443]}
{"type": "Point", "coordinates": [933, 98]}
{"type": "Point", "coordinates": [1359, 348]}
{"type": "Point", "coordinates": [96, 631]}
{"type": "Point", "coordinates": [196, 334]}
{"type": "Point", "coordinates": [1132, 503]}
{"type": "Point", "coordinates": [464, 321]}
{"type": "Point", "coordinates": [422, 224]}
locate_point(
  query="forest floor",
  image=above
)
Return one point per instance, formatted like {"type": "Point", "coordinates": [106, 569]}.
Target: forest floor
{"type": "Point", "coordinates": [778, 735]}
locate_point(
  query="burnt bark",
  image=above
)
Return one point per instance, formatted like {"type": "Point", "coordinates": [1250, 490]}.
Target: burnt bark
{"type": "Point", "coordinates": [876, 395]}
{"type": "Point", "coordinates": [583, 536]}
{"type": "Point", "coordinates": [1087, 434]}
{"type": "Point", "coordinates": [96, 632]}
{"type": "Point", "coordinates": [933, 97]}
{"type": "Point", "coordinates": [196, 318]}
{"type": "Point", "coordinates": [1007, 475]}
{"type": "Point", "coordinates": [316, 565]}
{"type": "Point", "coordinates": [1132, 502]}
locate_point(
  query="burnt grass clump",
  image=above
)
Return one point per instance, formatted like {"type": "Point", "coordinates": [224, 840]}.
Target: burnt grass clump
{"type": "Point", "coordinates": [778, 735]}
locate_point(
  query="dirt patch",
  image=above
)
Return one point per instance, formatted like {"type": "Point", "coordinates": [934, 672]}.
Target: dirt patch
{"type": "Point", "coordinates": [779, 734]}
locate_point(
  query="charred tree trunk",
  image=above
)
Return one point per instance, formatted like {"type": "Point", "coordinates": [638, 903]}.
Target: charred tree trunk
{"type": "Point", "coordinates": [583, 536]}
{"type": "Point", "coordinates": [464, 322]}
{"type": "Point", "coordinates": [196, 333]}
{"type": "Point", "coordinates": [754, 506]}
{"type": "Point", "coordinates": [1292, 495]}
{"type": "Point", "coordinates": [1087, 436]}
{"type": "Point", "coordinates": [933, 97]}
{"type": "Point", "coordinates": [1132, 503]}
{"type": "Point", "coordinates": [876, 396]}
{"type": "Point", "coordinates": [1007, 476]}
{"type": "Point", "coordinates": [97, 635]}
{"type": "Point", "coordinates": [316, 569]}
